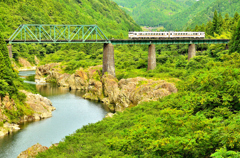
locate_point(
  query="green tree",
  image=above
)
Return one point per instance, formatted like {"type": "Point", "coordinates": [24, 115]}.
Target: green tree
{"type": "Point", "coordinates": [220, 23]}
{"type": "Point", "coordinates": [235, 41]}
{"type": "Point", "coordinates": [214, 28]}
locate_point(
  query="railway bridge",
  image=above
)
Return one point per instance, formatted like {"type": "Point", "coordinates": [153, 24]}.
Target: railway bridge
{"type": "Point", "coordinates": [37, 33]}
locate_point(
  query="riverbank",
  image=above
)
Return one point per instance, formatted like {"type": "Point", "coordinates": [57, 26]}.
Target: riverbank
{"type": "Point", "coordinates": [73, 112]}
{"type": "Point", "coordinates": [117, 95]}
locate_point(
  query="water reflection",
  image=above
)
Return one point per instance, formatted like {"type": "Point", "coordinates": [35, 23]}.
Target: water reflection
{"type": "Point", "coordinates": [50, 89]}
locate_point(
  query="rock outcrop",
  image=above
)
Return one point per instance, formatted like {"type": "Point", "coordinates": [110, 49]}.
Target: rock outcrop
{"type": "Point", "coordinates": [50, 69]}
{"type": "Point", "coordinates": [40, 106]}
{"type": "Point", "coordinates": [25, 65]}
{"type": "Point", "coordinates": [32, 151]}
{"type": "Point", "coordinates": [118, 95]}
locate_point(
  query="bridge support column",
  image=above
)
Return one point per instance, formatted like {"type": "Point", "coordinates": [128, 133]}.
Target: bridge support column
{"type": "Point", "coordinates": [226, 47]}
{"type": "Point", "coordinates": [151, 57]}
{"type": "Point", "coordinates": [10, 51]}
{"type": "Point", "coordinates": [191, 51]}
{"type": "Point", "coordinates": [108, 59]}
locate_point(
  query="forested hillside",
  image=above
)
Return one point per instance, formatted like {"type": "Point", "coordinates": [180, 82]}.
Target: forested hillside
{"type": "Point", "coordinates": [178, 21]}
{"type": "Point", "coordinates": [153, 12]}
{"type": "Point", "coordinates": [222, 6]}
{"type": "Point", "coordinates": [106, 14]}
{"type": "Point", "coordinates": [177, 15]}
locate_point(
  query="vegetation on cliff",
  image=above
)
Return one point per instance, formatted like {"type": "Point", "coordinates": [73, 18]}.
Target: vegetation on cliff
{"type": "Point", "coordinates": [12, 106]}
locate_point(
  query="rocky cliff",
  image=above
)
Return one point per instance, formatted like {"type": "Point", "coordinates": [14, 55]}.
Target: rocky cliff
{"type": "Point", "coordinates": [118, 95]}
{"type": "Point", "coordinates": [40, 106]}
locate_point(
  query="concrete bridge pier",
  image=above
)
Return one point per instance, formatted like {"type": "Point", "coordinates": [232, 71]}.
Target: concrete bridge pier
{"type": "Point", "coordinates": [191, 51]}
{"type": "Point", "coordinates": [226, 47]}
{"type": "Point", "coordinates": [151, 57]}
{"type": "Point", "coordinates": [10, 50]}
{"type": "Point", "coordinates": [108, 59]}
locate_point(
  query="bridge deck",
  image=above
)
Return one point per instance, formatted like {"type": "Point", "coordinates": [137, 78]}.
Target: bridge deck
{"type": "Point", "coordinates": [130, 41]}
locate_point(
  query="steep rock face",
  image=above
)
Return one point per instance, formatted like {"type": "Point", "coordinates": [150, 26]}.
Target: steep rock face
{"type": "Point", "coordinates": [32, 151]}
{"type": "Point", "coordinates": [81, 79]}
{"type": "Point", "coordinates": [111, 90]}
{"type": "Point", "coordinates": [118, 95]}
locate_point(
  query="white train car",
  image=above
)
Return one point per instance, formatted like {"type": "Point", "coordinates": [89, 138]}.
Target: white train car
{"type": "Point", "coordinates": [165, 35]}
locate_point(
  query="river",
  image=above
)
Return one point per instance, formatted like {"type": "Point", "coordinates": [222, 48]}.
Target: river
{"type": "Point", "coordinates": [73, 112]}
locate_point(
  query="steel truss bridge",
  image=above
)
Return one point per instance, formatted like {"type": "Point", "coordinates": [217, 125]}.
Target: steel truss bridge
{"type": "Point", "coordinates": [38, 33]}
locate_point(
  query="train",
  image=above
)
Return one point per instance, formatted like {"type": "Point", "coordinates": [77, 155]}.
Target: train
{"type": "Point", "coordinates": [166, 35]}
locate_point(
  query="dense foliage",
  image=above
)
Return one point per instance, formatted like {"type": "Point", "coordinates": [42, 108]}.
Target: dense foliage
{"type": "Point", "coordinates": [6, 72]}
{"type": "Point", "coordinates": [235, 41]}
{"type": "Point", "coordinates": [219, 27]}
{"type": "Point", "coordinates": [201, 120]}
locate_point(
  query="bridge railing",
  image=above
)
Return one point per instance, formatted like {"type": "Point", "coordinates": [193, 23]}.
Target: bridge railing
{"type": "Point", "coordinates": [38, 33]}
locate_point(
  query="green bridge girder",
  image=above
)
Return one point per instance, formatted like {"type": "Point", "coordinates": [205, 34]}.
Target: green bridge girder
{"type": "Point", "coordinates": [170, 41]}
{"type": "Point", "coordinates": [130, 42]}
{"type": "Point", "coordinates": [45, 33]}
